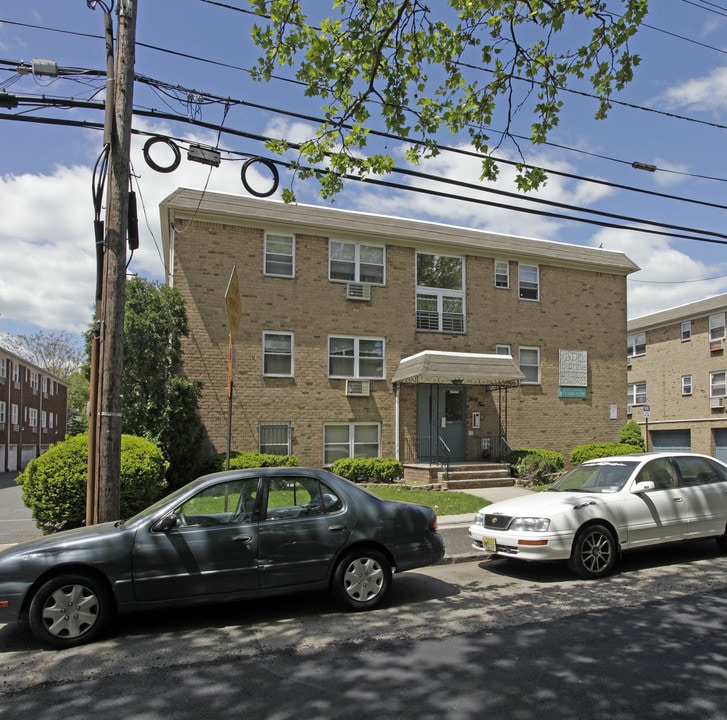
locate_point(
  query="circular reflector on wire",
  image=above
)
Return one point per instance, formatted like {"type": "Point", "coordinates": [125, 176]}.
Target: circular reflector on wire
{"type": "Point", "coordinates": [270, 165]}
{"type": "Point", "coordinates": [176, 158]}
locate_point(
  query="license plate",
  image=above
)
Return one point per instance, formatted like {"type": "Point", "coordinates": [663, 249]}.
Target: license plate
{"type": "Point", "coordinates": [489, 544]}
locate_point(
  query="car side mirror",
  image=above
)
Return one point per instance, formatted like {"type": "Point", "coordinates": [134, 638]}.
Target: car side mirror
{"type": "Point", "coordinates": [166, 523]}
{"type": "Point", "coordinates": [642, 487]}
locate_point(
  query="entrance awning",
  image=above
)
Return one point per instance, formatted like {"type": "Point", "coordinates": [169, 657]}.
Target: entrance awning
{"type": "Point", "coordinates": [435, 367]}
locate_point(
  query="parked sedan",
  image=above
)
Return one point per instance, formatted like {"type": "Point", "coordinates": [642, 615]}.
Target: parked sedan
{"type": "Point", "coordinates": [224, 537]}
{"type": "Point", "coordinates": [604, 506]}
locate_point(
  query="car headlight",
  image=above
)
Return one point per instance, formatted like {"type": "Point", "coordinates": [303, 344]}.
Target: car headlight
{"type": "Point", "coordinates": [530, 524]}
{"type": "Point", "coordinates": [480, 519]}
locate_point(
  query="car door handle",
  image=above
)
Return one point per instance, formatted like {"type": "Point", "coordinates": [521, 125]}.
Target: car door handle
{"type": "Point", "coordinates": [242, 538]}
{"type": "Point", "coordinates": [336, 528]}
{"type": "Point", "coordinates": [678, 499]}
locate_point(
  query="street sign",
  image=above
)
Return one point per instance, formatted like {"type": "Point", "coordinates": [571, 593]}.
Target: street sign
{"type": "Point", "coordinates": [234, 305]}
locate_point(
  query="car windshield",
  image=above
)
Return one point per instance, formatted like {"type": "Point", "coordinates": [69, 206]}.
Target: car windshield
{"type": "Point", "coordinates": [601, 477]}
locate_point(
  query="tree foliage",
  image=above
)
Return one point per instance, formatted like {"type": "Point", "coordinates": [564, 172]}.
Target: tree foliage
{"type": "Point", "coordinates": [58, 353]}
{"type": "Point", "coordinates": [159, 402]}
{"type": "Point", "coordinates": [455, 65]}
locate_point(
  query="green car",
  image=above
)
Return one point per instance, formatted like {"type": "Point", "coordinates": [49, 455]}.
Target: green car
{"type": "Point", "coordinates": [224, 537]}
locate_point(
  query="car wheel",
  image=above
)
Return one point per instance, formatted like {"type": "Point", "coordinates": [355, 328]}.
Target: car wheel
{"type": "Point", "coordinates": [594, 552]}
{"type": "Point", "coordinates": [362, 579]}
{"type": "Point", "coordinates": [70, 610]}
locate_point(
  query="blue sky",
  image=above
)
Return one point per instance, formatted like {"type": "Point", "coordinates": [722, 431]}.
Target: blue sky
{"type": "Point", "coordinates": [670, 119]}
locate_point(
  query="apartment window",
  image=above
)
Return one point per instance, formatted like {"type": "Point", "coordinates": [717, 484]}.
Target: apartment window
{"type": "Point", "coordinates": [686, 384]}
{"type": "Point", "coordinates": [636, 344]}
{"type": "Point", "coordinates": [278, 354]}
{"type": "Point", "coordinates": [502, 274]}
{"type": "Point", "coordinates": [2, 412]}
{"type": "Point", "coordinates": [686, 331]}
{"type": "Point", "coordinates": [50, 420]}
{"type": "Point", "coordinates": [528, 282]}
{"type": "Point", "coordinates": [343, 440]}
{"type": "Point", "coordinates": [503, 350]}
{"type": "Point", "coordinates": [530, 365]}
{"type": "Point", "coordinates": [33, 417]}
{"type": "Point", "coordinates": [637, 393]}
{"type": "Point", "coordinates": [16, 372]}
{"type": "Point", "coordinates": [279, 255]}
{"type": "Point", "coordinates": [353, 262]}
{"type": "Point", "coordinates": [716, 326]}
{"type": "Point", "coordinates": [717, 384]}
{"type": "Point", "coordinates": [274, 438]}
{"type": "Point", "coordinates": [14, 415]}
{"type": "Point", "coordinates": [3, 367]}
{"type": "Point", "coordinates": [440, 293]}
{"type": "Point", "coordinates": [34, 381]}
{"type": "Point", "coordinates": [44, 419]}
{"type": "Point", "coordinates": [352, 357]}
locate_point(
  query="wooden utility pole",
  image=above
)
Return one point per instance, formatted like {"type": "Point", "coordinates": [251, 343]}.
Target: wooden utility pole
{"type": "Point", "coordinates": [104, 486]}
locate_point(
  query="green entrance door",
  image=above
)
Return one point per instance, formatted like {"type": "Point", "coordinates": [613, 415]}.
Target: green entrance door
{"type": "Point", "coordinates": [441, 422]}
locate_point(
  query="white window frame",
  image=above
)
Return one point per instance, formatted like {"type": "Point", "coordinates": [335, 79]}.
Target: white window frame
{"type": "Point", "coordinates": [356, 356]}
{"type": "Point", "coordinates": [686, 330]}
{"type": "Point", "coordinates": [33, 417]}
{"type": "Point", "coordinates": [716, 326]}
{"type": "Point", "coordinates": [281, 428]}
{"type": "Point", "coordinates": [352, 447]}
{"type": "Point", "coordinates": [503, 350]}
{"type": "Point", "coordinates": [16, 372]}
{"type": "Point", "coordinates": [269, 256]}
{"type": "Point", "coordinates": [356, 262]}
{"type": "Point", "coordinates": [637, 393]}
{"type": "Point", "coordinates": [687, 385]}
{"type": "Point", "coordinates": [718, 384]}
{"type": "Point", "coordinates": [14, 414]}
{"type": "Point", "coordinates": [3, 368]}
{"type": "Point", "coordinates": [525, 282]}
{"type": "Point", "coordinates": [3, 411]}
{"type": "Point", "coordinates": [448, 313]}
{"type": "Point", "coordinates": [525, 367]}
{"type": "Point", "coordinates": [634, 348]}
{"type": "Point", "coordinates": [266, 353]}
{"type": "Point", "coordinates": [502, 274]}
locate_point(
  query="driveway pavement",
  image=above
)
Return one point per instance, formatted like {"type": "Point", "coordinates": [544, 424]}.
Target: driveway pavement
{"type": "Point", "coordinates": [16, 522]}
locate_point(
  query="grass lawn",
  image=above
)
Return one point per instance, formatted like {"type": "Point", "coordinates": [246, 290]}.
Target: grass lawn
{"type": "Point", "coordinates": [449, 502]}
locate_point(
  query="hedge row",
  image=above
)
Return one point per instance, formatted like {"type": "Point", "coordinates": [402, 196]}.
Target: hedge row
{"type": "Point", "coordinates": [589, 451]}
{"type": "Point", "coordinates": [371, 470]}
{"type": "Point", "coordinates": [241, 460]}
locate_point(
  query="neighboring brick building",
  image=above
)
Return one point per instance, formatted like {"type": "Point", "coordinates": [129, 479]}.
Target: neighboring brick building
{"type": "Point", "coordinates": [678, 369]}
{"type": "Point", "coordinates": [33, 407]}
{"type": "Point", "coordinates": [334, 302]}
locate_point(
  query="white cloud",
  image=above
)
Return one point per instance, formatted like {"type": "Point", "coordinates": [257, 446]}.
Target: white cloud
{"type": "Point", "coordinates": [667, 277]}
{"type": "Point", "coordinates": [708, 92]}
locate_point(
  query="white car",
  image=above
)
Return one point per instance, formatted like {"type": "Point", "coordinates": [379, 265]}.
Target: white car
{"type": "Point", "coordinates": [604, 506]}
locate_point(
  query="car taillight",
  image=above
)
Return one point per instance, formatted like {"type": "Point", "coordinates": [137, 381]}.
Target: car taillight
{"type": "Point", "coordinates": [433, 524]}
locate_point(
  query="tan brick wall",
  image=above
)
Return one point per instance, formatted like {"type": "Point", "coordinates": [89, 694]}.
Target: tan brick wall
{"type": "Point", "coordinates": [578, 310]}
{"type": "Point", "coordinates": [666, 360]}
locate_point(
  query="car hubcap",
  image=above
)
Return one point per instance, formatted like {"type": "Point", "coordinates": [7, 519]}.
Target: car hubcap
{"type": "Point", "coordinates": [70, 611]}
{"type": "Point", "coordinates": [363, 579]}
{"type": "Point", "coordinates": [596, 552]}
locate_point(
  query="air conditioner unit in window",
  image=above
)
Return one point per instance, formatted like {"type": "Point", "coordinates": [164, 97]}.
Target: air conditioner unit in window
{"type": "Point", "coordinates": [628, 362]}
{"type": "Point", "coordinates": [629, 409]}
{"type": "Point", "coordinates": [716, 345]}
{"type": "Point", "coordinates": [716, 402]}
{"type": "Point", "coordinates": [358, 388]}
{"type": "Point", "coordinates": [358, 291]}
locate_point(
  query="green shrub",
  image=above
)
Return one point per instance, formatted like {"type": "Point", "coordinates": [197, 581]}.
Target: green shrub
{"type": "Point", "coordinates": [54, 484]}
{"type": "Point", "coordinates": [369, 470]}
{"type": "Point", "coordinates": [589, 451]}
{"type": "Point", "coordinates": [535, 466]}
{"type": "Point", "coordinates": [631, 435]}
{"type": "Point", "coordinates": [240, 460]}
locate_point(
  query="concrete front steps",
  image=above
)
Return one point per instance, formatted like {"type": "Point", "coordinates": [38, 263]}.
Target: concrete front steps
{"type": "Point", "coordinates": [460, 476]}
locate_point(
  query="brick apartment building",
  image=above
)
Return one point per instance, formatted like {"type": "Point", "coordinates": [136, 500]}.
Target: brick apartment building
{"type": "Point", "coordinates": [33, 406]}
{"type": "Point", "coordinates": [363, 335]}
{"type": "Point", "coordinates": [677, 368]}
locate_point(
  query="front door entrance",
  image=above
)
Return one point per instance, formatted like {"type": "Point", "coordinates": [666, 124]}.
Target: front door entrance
{"type": "Point", "coordinates": [441, 422]}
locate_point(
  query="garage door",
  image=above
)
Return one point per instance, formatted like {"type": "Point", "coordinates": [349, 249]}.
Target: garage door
{"type": "Point", "coordinates": [720, 444]}
{"type": "Point", "coordinates": [671, 441]}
